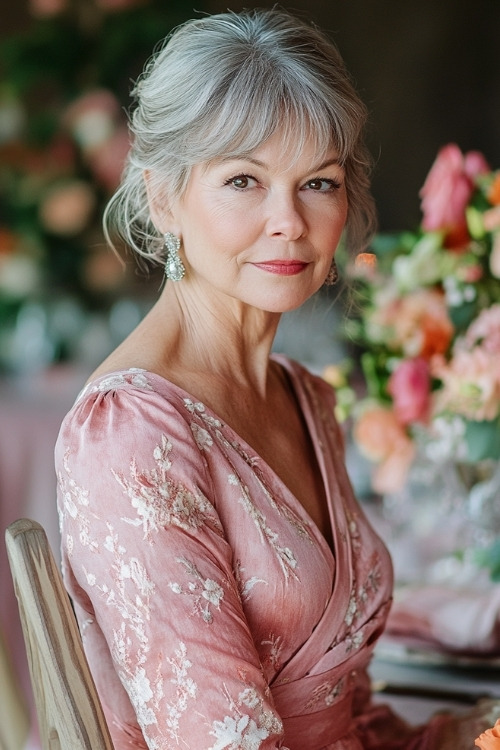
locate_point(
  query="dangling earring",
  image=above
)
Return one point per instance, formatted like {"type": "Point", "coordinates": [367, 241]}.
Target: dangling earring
{"type": "Point", "coordinates": [174, 267]}
{"type": "Point", "coordinates": [333, 274]}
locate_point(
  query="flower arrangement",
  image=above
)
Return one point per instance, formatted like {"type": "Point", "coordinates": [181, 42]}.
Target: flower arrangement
{"type": "Point", "coordinates": [65, 82]}
{"type": "Point", "coordinates": [428, 329]}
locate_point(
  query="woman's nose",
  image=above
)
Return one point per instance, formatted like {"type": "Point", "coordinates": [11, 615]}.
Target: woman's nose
{"type": "Point", "coordinates": [285, 218]}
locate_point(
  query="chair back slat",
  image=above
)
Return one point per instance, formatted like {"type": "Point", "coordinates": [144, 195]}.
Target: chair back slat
{"type": "Point", "coordinates": [69, 712]}
{"type": "Point", "coordinates": [14, 713]}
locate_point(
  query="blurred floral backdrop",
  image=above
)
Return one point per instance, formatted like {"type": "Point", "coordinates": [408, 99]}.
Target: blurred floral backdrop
{"type": "Point", "coordinates": [424, 389]}
{"type": "Point", "coordinates": [64, 91]}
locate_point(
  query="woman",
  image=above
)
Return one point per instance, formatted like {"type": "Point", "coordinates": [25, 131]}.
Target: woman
{"type": "Point", "coordinates": [228, 587]}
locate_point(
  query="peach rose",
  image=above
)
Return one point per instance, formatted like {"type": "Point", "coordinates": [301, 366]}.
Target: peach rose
{"type": "Point", "coordinates": [489, 740]}
{"type": "Point", "coordinates": [447, 191]}
{"type": "Point", "coordinates": [66, 208]}
{"type": "Point", "coordinates": [471, 384]}
{"type": "Point", "coordinates": [485, 330]}
{"type": "Point", "coordinates": [409, 386]}
{"type": "Point", "coordinates": [382, 439]}
{"type": "Point", "coordinates": [418, 323]}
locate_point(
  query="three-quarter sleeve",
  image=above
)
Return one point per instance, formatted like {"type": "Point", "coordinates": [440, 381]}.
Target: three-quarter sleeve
{"type": "Point", "coordinates": [148, 566]}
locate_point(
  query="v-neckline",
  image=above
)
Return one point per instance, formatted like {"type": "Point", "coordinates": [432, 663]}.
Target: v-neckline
{"type": "Point", "coordinates": [341, 563]}
{"type": "Point", "coordinates": [302, 400]}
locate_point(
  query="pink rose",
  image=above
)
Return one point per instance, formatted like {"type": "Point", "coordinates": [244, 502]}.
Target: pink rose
{"type": "Point", "coordinates": [447, 191]}
{"type": "Point", "coordinates": [409, 386]}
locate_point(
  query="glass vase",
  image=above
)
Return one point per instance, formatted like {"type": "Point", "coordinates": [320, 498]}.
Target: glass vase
{"type": "Point", "coordinates": [447, 512]}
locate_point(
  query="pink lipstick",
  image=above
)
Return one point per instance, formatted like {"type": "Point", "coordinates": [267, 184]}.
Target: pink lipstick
{"type": "Point", "coordinates": [282, 267]}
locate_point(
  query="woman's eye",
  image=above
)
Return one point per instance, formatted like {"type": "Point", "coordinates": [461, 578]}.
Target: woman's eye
{"type": "Point", "coordinates": [241, 181]}
{"type": "Point", "coordinates": [322, 185]}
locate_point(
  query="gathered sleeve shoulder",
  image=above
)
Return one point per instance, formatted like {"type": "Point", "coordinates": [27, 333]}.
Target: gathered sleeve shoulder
{"type": "Point", "coordinates": [148, 566]}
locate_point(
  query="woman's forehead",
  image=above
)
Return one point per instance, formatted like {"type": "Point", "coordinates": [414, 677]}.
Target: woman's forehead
{"type": "Point", "coordinates": [284, 150]}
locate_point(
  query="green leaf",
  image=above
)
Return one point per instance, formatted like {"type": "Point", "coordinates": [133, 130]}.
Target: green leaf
{"type": "Point", "coordinates": [483, 439]}
{"type": "Point", "coordinates": [489, 557]}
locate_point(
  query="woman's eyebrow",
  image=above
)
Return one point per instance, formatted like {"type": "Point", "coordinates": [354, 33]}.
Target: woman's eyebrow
{"type": "Point", "coordinates": [328, 163]}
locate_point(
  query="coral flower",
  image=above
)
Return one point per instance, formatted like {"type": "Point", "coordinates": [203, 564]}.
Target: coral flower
{"type": "Point", "coordinates": [419, 323]}
{"type": "Point", "coordinates": [382, 438]}
{"type": "Point", "coordinates": [489, 740]}
{"type": "Point", "coordinates": [447, 191]}
{"type": "Point", "coordinates": [494, 191]}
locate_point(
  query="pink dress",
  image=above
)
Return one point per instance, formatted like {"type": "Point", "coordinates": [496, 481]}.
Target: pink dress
{"type": "Point", "coordinates": [213, 612]}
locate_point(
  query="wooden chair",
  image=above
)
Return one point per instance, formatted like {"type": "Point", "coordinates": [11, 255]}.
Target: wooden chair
{"type": "Point", "coordinates": [14, 714]}
{"type": "Point", "coordinates": [69, 712]}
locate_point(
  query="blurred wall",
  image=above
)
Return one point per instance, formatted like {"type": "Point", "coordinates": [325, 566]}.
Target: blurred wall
{"type": "Point", "coordinates": [429, 71]}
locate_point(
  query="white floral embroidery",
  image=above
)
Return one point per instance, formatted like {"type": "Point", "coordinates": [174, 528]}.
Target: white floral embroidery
{"type": "Point", "coordinates": [205, 591]}
{"type": "Point", "coordinates": [134, 376]}
{"type": "Point", "coordinates": [355, 641]}
{"type": "Point", "coordinates": [352, 609]}
{"type": "Point", "coordinates": [273, 656]}
{"type": "Point", "coordinates": [284, 555]}
{"type": "Point", "coordinates": [245, 586]}
{"type": "Point", "coordinates": [139, 689]}
{"type": "Point", "coordinates": [186, 689]}
{"type": "Point", "coordinates": [199, 409]}
{"type": "Point", "coordinates": [237, 734]}
{"type": "Point", "coordinates": [75, 500]}
{"type": "Point", "coordinates": [159, 500]}
{"type": "Point", "coordinates": [240, 731]}
{"type": "Point", "coordinates": [203, 438]}
{"type": "Point", "coordinates": [326, 693]}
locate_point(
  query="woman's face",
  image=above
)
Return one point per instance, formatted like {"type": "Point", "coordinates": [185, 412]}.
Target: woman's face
{"type": "Point", "coordinates": [261, 230]}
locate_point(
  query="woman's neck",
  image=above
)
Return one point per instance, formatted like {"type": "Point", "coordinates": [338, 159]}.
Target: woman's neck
{"type": "Point", "coordinates": [229, 341]}
{"type": "Point", "coordinates": [189, 341]}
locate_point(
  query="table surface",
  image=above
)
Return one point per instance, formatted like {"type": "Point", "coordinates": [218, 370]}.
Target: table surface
{"type": "Point", "coordinates": [416, 692]}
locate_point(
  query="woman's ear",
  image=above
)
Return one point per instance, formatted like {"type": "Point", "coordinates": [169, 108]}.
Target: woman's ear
{"type": "Point", "coordinates": [159, 203]}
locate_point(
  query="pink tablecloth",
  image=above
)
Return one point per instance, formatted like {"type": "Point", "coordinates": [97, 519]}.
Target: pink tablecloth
{"type": "Point", "coordinates": [30, 415]}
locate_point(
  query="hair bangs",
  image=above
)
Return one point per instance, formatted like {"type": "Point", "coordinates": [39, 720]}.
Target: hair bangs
{"type": "Point", "coordinates": [253, 107]}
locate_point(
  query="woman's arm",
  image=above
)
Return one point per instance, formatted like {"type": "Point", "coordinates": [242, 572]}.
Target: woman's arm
{"type": "Point", "coordinates": [150, 571]}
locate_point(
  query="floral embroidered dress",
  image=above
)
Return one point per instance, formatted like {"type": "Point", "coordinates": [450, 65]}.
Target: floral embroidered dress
{"type": "Point", "coordinates": [213, 612]}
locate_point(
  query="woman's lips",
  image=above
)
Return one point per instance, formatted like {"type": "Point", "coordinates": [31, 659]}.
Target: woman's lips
{"type": "Point", "coordinates": [282, 267]}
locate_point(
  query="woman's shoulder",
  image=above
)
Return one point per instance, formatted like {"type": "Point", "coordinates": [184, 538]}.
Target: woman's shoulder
{"type": "Point", "coordinates": [132, 379]}
{"type": "Point", "coordinates": [125, 406]}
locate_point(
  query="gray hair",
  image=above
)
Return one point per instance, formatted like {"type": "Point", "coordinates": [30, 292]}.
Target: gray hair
{"type": "Point", "coordinates": [220, 86]}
